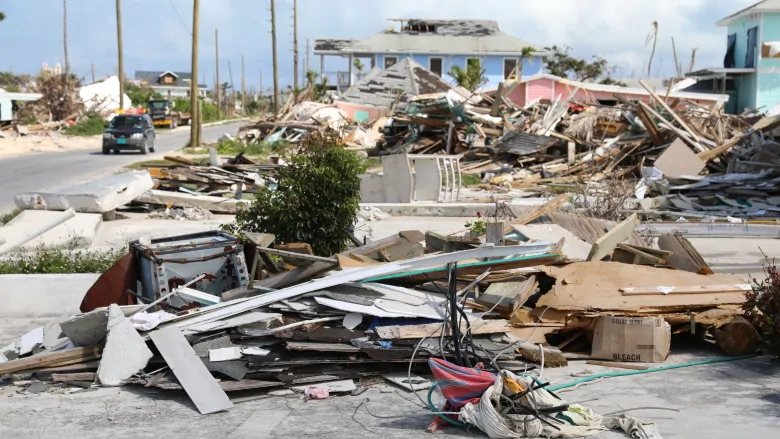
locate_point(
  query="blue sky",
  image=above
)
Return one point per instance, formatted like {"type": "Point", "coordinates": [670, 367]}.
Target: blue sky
{"type": "Point", "coordinates": [156, 32]}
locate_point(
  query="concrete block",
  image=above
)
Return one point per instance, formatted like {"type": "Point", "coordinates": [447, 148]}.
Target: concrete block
{"type": "Point", "coordinates": [52, 335]}
{"type": "Point", "coordinates": [31, 340]}
{"type": "Point", "coordinates": [86, 329]}
{"type": "Point", "coordinates": [125, 352]}
{"type": "Point", "coordinates": [79, 230]}
{"type": "Point", "coordinates": [98, 196]}
{"type": "Point", "coordinates": [372, 188]}
{"type": "Point", "coordinates": [28, 296]}
{"type": "Point", "coordinates": [180, 199]}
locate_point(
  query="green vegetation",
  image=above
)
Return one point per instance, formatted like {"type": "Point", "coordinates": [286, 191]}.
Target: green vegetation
{"type": "Point", "coordinates": [235, 147]}
{"type": "Point", "coordinates": [562, 64]}
{"type": "Point", "coordinates": [7, 217]}
{"type": "Point", "coordinates": [12, 82]}
{"type": "Point", "coordinates": [57, 260]}
{"type": "Point", "coordinates": [316, 200]}
{"type": "Point", "coordinates": [470, 179]}
{"type": "Point", "coordinates": [762, 307]}
{"type": "Point", "coordinates": [140, 95]}
{"type": "Point", "coordinates": [373, 162]}
{"type": "Point", "coordinates": [90, 126]}
{"type": "Point", "coordinates": [476, 228]}
{"type": "Point", "coordinates": [472, 77]}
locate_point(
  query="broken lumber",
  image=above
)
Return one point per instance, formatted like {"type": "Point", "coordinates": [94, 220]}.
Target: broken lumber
{"type": "Point", "coordinates": [434, 329]}
{"type": "Point", "coordinates": [606, 244]}
{"type": "Point", "coordinates": [61, 358]}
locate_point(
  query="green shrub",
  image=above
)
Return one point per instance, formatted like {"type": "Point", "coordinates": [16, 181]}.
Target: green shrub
{"type": "Point", "coordinates": [59, 260]}
{"type": "Point", "coordinates": [140, 95]}
{"type": "Point", "coordinates": [316, 200]}
{"type": "Point", "coordinates": [7, 217]}
{"type": "Point", "coordinates": [762, 307]}
{"type": "Point", "coordinates": [91, 126]}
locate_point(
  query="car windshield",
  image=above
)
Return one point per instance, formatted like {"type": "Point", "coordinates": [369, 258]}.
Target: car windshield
{"type": "Point", "coordinates": [158, 105]}
{"type": "Point", "coordinates": [127, 122]}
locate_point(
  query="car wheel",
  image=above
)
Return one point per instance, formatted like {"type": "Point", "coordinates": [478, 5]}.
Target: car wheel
{"type": "Point", "coordinates": [153, 148]}
{"type": "Point", "coordinates": [145, 147]}
{"type": "Point", "coordinates": [116, 151]}
{"type": "Point", "coordinates": [106, 151]}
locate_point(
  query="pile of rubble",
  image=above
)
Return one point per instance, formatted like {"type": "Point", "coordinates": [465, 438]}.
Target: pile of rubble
{"type": "Point", "coordinates": [212, 314]}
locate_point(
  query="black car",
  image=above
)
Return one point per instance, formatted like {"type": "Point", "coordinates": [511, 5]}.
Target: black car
{"type": "Point", "coordinates": [129, 131]}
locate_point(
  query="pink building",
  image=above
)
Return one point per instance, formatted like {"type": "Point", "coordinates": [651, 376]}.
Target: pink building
{"type": "Point", "coordinates": [533, 89]}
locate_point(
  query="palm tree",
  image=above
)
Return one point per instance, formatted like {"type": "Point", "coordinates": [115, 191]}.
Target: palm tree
{"type": "Point", "coordinates": [471, 78]}
{"type": "Point", "coordinates": [527, 53]}
{"type": "Point", "coordinates": [311, 77]}
{"type": "Point", "coordinates": [653, 35]}
{"type": "Point", "coordinates": [358, 65]}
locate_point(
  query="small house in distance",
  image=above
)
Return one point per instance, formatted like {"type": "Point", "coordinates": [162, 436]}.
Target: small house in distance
{"type": "Point", "coordinates": [8, 103]}
{"type": "Point", "coordinates": [170, 84]}
{"type": "Point", "coordinates": [750, 74]}
{"type": "Point", "coordinates": [437, 45]}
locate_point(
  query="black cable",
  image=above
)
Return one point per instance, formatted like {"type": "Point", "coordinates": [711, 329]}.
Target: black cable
{"type": "Point", "coordinates": [454, 320]}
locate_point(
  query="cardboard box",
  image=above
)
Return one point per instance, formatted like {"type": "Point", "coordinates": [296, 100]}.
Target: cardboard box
{"type": "Point", "coordinates": [631, 339]}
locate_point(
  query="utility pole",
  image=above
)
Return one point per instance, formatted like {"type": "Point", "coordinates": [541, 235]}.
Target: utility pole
{"type": "Point", "coordinates": [194, 98]}
{"type": "Point", "coordinates": [308, 60]}
{"type": "Point", "coordinates": [65, 42]}
{"type": "Point", "coordinates": [121, 67]}
{"type": "Point", "coordinates": [295, 46]}
{"type": "Point", "coordinates": [273, 45]}
{"type": "Point", "coordinates": [232, 93]}
{"type": "Point", "coordinates": [261, 83]}
{"type": "Point", "coordinates": [93, 73]}
{"type": "Point", "coordinates": [219, 86]}
{"type": "Point", "coordinates": [243, 86]}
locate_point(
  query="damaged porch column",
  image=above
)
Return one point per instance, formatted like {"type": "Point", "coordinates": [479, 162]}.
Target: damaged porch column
{"type": "Point", "coordinates": [351, 67]}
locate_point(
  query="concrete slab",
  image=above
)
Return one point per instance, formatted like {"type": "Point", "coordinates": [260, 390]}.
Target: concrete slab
{"type": "Point", "coordinates": [451, 209]}
{"type": "Point", "coordinates": [98, 196]}
{"type": "Point", "coordinates": [78, 231]}
{"type": "Point", "coordinates": [125, 352]}
{"type": "Point", "coordinates": [86, 329]}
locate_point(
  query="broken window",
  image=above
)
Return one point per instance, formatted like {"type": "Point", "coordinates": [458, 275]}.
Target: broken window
{"type": "Point", "coordinates": [435, 65]}
{"type": "Point", "coordinates": [510, 67]}
{"type": "Point", "coordinates": [390, 61]}
{"type": "Point", "coordinates": [752, 46]}
{"type": "Point", "coordinates": [729, 60]}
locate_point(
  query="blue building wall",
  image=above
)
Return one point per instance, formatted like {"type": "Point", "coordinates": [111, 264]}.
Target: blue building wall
{"type": "Point", "coordinates": [769, 68]}
{"type": "Point", "coordinates": [740, 28]}
{"type": "Point", "coordinates": [493, 65]}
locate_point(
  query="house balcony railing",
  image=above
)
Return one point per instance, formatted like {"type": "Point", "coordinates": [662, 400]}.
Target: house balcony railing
{"type": "Point", "coordinates": [340, 80]}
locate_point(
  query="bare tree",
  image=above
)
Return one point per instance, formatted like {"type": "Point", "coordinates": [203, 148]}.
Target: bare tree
{"type": "Point", "coordinates": [653, 35]}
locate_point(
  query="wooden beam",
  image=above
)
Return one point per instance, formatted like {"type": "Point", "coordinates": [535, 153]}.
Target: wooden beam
{"type": "Point", "coordinates": [61, 358]}
{"type": "Point", "coordinates": [605, 245]}
{"type": "Point", "coordinates": [672, 112]}
{"type": "Point", "coordinates": [294, 255]}
{"type": "Point", "coordinates": [67, 377]}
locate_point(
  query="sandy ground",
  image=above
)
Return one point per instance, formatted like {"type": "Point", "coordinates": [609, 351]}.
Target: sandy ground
{"type": "Point", "coordinates": [46, 142]}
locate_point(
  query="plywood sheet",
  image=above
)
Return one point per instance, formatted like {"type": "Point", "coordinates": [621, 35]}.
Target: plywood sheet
{"type": "Point", "coordinates": [678, 160]}
{"type": "Point", "coordinates": [573, 247]}
{"type": "Point", "coordinates": [597, 285]}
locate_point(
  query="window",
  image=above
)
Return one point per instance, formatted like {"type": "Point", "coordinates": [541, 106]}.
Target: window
{"type": "Point", "coordinates": [510, 67]}
{"type": "Point", "coordinates": [731, 48]}
{"type": "Point", "coordinates": [752, 46]}
{"type": "Point", "coordinates": [473, 63]}
{"type": "Point", "coordinates": [390, 61]}
{"type": "Point", "coordinates": [168, 79]}
{"type": "Point", "coordinates": [435, 65]}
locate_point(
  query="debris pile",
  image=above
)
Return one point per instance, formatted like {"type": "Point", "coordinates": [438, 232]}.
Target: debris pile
{"type": "Point", "coordinates": [211, 314]}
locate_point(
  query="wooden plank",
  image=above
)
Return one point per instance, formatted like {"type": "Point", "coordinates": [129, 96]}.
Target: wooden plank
{"type": "Point", "coordinates": [496, 106]}
{"type": "Point", "coordinates": [67, 377]}
{"type": "Point", "coordinates": [190, 371]}
{"type": "Point", "coordinates": [297, 247]}
{"type": "Point", "coordinates": [684, 254]}
{"type": "Point", "coordinates": [540, 211]}
{"type": "Point", "coordinates": [181, 160]}
{"type": "Point", "coordinates": [669, 110]}
{"type": "Point", "coordinates": [662, 290]}
{"type": "Point", "coordinates": [61, 358]}
{"type": "Point", "coordinates": [619, 234]}
{"type": "Point", "coordinates": [434, 329]}
{"type": "Point", "coordinates": [402, 251]}
{"type": "Point", "coordinates": [508, 297]}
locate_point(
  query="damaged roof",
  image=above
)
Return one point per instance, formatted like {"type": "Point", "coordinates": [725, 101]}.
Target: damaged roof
{"type": "Point", "coordinates": [380, 88]}
{"type": "Point", "coordinates": [331, 44]}
{"type": "Point", "coordinates": [451, 37]}
{"type": "Point", "coordinates": [522, 144]}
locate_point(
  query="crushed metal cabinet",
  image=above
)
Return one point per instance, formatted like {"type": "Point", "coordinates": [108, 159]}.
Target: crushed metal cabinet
{"type": "Point", "coordinates": [168, 263]}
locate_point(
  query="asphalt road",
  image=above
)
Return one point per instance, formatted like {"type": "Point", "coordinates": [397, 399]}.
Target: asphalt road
{"type": "Point", "coordinates": [41, 171]}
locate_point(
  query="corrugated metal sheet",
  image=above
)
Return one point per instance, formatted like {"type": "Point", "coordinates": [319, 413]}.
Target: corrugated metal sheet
{"type": "Point", "coordinates": [522, 144]}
